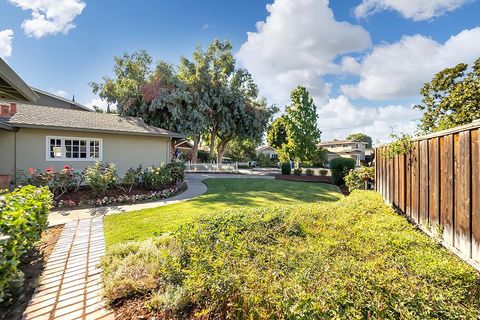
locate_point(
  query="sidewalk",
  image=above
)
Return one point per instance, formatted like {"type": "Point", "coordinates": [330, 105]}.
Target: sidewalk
{"type": "Point", "coordinates": [71, 285]}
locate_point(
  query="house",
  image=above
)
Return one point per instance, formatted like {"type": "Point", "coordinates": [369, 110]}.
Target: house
{"type": "Point", "coordinates": [41, 130]}
{"type": "Point", "coordinates": [345, 148]}
{"type": "Point", "coordinates": [269, 151]}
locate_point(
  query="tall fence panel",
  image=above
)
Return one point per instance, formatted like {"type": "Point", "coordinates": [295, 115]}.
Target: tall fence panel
{"type": "Point", "coordinates": [437, 185]}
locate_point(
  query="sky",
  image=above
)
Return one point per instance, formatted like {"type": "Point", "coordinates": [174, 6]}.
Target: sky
{"type": "Point", "coordinates": [364, 61]}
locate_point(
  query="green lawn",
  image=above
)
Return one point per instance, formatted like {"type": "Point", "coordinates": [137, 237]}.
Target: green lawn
{"type": "Point", "coordinates": [222, 194]}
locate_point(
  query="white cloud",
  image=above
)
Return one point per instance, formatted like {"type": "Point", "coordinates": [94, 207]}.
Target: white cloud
{"type": "Point", "coordinates": [49, 17]}
{"type": "Point", "coordinates": [296, 45]}
{"type": "Point", "coordinates": [339, 117]}
{"type": "Point", "coordinates": [399, 70]}
{"type": "Point", "coordinates": [411, 9]}
{"type": "Point", "coordinates": [61, 93]}
{"type": "Point", "coordinates": [6, 37]}
{"type": "Point", "coordinates": [97, 102]}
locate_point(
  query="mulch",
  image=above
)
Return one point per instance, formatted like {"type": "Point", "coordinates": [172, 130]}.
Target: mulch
{"type": "Point", "coordinates": [32, 267]}
{"type": "Point", "coordinates": [85, 193]}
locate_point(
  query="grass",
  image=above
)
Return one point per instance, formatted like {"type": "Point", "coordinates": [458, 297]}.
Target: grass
{"type": "Point", "coordinates": [350, 259]}
{"type": "Point", "coordinates": [222, 194]}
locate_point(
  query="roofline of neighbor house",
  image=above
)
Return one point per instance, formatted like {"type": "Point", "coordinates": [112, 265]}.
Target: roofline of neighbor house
{"type": "Point", "coordinates": [13, 79]}
{"type": "Point", "coordinates": [61, 98]}
{"type": "Point", "coordinates": [30, 126]}
{"type": "Point", "coordinates": [6, 126]}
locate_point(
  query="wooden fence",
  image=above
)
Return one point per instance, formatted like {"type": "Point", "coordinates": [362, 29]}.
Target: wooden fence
{"type": "Point", "coordinates": [437, 185]}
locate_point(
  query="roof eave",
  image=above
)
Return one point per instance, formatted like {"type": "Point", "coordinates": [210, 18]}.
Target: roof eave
{"type": "Point", "coordinates": [16, 82]}
{"type": "Point", "coordinates": [33, 126]}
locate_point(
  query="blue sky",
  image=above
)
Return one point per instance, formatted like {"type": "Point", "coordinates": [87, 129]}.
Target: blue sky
{"type": "Point", "coordinates": [363, 60]}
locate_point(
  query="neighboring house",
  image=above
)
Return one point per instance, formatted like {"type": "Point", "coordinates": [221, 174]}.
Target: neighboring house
{"type": "Point", "coordinates": [182, 149]}
{"type": "Point", "coordinates": [268, 151]}
{"type": "Point", "coordinates": [60, 132]}
{"type": "Point", "coordinates": [345, 149]}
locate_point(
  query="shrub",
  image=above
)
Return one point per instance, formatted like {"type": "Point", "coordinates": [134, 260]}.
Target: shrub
{"type": "Point", "coordinates": [59, 182]}
{"type": "Point", "coordinates": [309, 172]}
{"type": "Point", "coordinates": [100, 177]}
{"type": "Point", "coordinates": [323, 172]}
{"type": "Point", "coordinates": [311, 261]}
{"type": "Point", "coordinates": [177, 171]}
{"type": "Point", "coordinates": [204, 156]}
{"type": "Point", "coordinates": [265, 161]}
{"type": "Point", "coordinates": [158, 177]}
{"type": "Point", "coordinates": [23, 218]}
{"type": "Point", "coordinates": [286, 168]}
{"type": "Point", "coordinates": [340, 168]}
{"type": "Point", "coordinates": [357, 179]}
{"type": "Point", "coordinates": [131, 179]}
{"type": "Point", "coordinates": [297, 171]}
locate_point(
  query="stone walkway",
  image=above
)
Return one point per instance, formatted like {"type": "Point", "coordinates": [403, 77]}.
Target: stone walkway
{"type": "Point", "coordinates": [71, 287]}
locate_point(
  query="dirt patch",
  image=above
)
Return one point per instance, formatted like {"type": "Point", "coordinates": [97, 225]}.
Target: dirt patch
{"type": "Point", "coordinates": [318, 179]}
{"type": "Point", "coordinates": [34, 263]}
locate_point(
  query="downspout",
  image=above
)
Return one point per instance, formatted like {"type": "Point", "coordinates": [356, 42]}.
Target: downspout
{"type": "Point", "coordinates": [15, 164]}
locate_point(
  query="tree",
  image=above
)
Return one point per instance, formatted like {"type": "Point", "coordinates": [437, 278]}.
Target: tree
{"type": "Point", "coordinates": [361, 137]}
{"type": "Point", "coordinates": [131, 71]}
{"type": "Point", "coordinates": [451, 99]}
{"type": "Point", "coordinates": [241, 149]}
{"type": "Point", "coordinates": [303, 134]}
{"type": "Point", "coordinates": [277, 133]}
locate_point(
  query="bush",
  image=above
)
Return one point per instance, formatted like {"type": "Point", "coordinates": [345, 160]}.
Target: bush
{"type": "Point", "coordinates": [297, 171]}
{"type": "Point", "coordinates": [357, 179]}
{"type": "Point", "coordinates": [265, 161]}
{"type": "Point", "coordinates": [59, 182]}
{"type": "Point", "coordinates": [23, 218]}
{"type": "Point", "coordinates": [159, 177]}
{"type": "Point", "coordinates": [340, 168]}
{"type": "Point", "coordinates": [100, 177]}
{"type": "Point", "coordinates": [323, 172]}
{"type": "Point", "coordinates": [131, 179]}
{"type": "Point", "coordinates": [309, 172]}
{"type": "Point", "coordinates": [204, 156]}
{"type": "Point", "coordinates": [286, 168]}
{"type": "Point", "coordinates": [311, 261]}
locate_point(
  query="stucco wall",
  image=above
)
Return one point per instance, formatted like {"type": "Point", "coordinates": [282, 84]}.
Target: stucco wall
{"type": "Point", "coordinates": [7, 152]}
{"type": "Point", "coordinates": [125, 151]}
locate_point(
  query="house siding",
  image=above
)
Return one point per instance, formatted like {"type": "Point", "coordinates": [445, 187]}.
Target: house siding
{"type": "Point", "coordinates": [126, 151]}
{"type": "Point", "coordinates": [7, 153]}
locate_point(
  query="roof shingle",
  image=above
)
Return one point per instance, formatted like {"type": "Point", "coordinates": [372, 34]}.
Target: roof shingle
{"type": "Point", "coordinates": [56, 118]}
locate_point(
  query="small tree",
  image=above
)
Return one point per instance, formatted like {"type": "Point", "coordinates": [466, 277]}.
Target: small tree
{"type": "Point", "coordinates": [361, 137]}
{"type": "Point", "coordinates": [277, 133]}
{"type": "Point", "coordinates": [451, 99]}
{"type": "Point", "coordinates": [303, 134]}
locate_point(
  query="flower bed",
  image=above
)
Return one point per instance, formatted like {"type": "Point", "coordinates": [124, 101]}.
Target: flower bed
{"type": "Point", "coordinates": [84, 198]}
{"type": "Point", "coordinates": [99, 184]}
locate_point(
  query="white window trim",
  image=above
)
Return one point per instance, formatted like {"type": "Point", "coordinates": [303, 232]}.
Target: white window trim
{"type": "Point", "coordinates": [63, 158]}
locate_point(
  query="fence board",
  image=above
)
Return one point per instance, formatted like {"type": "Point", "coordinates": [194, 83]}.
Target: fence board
{"type": "Point", "coordinates": [475, 138]}
{"type": "Point", "coordinates": [423, 185]}
{"type": "Point", "coordinates": [415, 182]}
{"type": "Point", "coordinates": [462, 193]}
{"type": "Point", "coordinates": [408, 178]}
{"type": "Point", "coordinates": [448, 190]}
{"type": "Point", "coordinates": [434, 182]}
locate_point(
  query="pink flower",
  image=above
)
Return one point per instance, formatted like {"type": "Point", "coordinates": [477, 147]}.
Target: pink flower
{"type": "Point", "coordinates": [31, 170]}
{"type": "Point", "coordinates": [67, 167]}
{"type": "Point", "coordinates": [49, 170]}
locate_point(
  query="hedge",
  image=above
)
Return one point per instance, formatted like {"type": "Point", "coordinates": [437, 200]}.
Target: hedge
{"type": "Point", "coordinates": [351, 259]}
{"type": "Point", "coordinates": [23, 219]}
{"type": "Point", "coordinates": [340, 168]}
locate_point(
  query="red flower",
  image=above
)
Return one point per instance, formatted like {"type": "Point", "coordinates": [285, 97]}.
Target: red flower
{"type": "Point", "coordinates": [49, 170]}
{"type": "Point", "coordinates": [31, 170]}
{"type": "Point", "coordinates": [67, 167]}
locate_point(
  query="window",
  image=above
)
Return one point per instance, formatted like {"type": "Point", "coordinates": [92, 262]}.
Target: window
{"type": "Point", "coordinates": [73, 149]}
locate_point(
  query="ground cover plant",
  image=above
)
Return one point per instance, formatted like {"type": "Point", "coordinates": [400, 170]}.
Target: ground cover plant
{"type": "Point", "coordinates": [222, 194]}
{"type": "Point", "coordinates": [350, 259]}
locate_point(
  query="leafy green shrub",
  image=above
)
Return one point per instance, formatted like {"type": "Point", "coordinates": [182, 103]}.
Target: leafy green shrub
{"type": "Point", "coordinates": [356, 179]}
{"type": "Point", "coordinates": [265, 161]}
{"type": "Point", "coordinates": [351, 259]}
{"type": "Point", "coordinates": [23, 218]}
{"type": "Point", "coordinates": [286, 168]}
{"type": "Point", "coordinates": [159, 177]}
{"type": "Point", "coordinates": [59, 182]}
{"type": "Point", "coordinates": [297, 171]}
{"type": "Point", "coordinates": [131, 179]}
{"type": "Point", "coordinates": [309, 172]}
{"type": "Point", "coordinates": [340, 168]}
{"type": "Point", "coordinates": [323, 172]}
{"type": "Point", "coordinates": [100, 177]}
{"type": "Point", "coordinates": [204, 156]}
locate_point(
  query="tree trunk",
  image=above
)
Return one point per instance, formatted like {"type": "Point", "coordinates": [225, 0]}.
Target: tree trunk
{"type": "Point", "coordinates": [196, 142]}
{"type": "Point", "coordinates": [213, 135]}
{"type": "Point", "coordinates": [222, 146]}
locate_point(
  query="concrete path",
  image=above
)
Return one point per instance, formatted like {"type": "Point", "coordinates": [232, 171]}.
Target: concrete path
{"type": "Point", "coordinates": [195, 188]}
{"type": "Point", "coordinates": [71, 287]}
